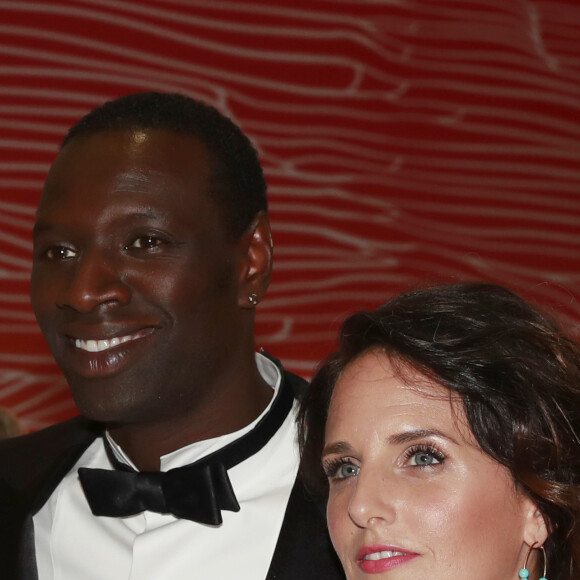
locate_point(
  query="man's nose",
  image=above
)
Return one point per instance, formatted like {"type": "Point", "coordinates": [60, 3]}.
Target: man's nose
{"type": "Point", "coordinates": [373, 500]}
{"type": "Point", "coordinates": [96, 280]}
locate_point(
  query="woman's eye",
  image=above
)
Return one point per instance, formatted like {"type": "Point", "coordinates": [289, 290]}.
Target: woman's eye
{"type": "Point", "coordinates": [340, 469]}
{"type": "Point", "coordinates": [423, 459]}
{"type": "Point", "coordinates": [347, 470]}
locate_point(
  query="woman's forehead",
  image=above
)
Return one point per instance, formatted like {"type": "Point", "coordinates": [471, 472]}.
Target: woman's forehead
{"type": "Point", "coordinates": [375, 389]}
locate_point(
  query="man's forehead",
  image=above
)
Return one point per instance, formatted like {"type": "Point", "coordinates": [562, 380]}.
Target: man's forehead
{"type": "Point", "coordinates": [159, 170]}
{"type": "Point", "coordinates": [135, 140]}
{"type": "Point", "coordinates": [131, 158]}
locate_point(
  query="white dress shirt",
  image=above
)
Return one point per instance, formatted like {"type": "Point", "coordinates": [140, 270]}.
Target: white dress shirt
{"type": "Point", "coordinates": [73, 544]}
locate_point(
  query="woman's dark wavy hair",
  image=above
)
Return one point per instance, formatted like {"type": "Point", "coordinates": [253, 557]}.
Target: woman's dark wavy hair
{"type": "Point", "coordinates": [517, 374]}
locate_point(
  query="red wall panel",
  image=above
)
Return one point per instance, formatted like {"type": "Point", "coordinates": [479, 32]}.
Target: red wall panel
{"type": "Point", "coordinates": [403, 142]}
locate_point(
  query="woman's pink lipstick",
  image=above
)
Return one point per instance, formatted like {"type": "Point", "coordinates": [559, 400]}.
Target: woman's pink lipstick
{"type": "Point", "coordinates": [377, 559]}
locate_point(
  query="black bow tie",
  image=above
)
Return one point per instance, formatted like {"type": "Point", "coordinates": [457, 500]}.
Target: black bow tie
{"type": "Point", "coordinates": [197, 492]}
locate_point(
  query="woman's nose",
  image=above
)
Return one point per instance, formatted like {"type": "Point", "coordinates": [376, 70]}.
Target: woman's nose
{"type": "Point", "coordinates": [373, 500]}
{"type": "Point", "coordinates": [95, 280]}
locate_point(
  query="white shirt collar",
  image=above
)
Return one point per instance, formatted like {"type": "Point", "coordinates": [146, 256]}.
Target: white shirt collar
{"type": "Point", "coordinates": [194, 451]}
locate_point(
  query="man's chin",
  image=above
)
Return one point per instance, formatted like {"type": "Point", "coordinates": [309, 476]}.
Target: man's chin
{"type": "Point", "coordinates": [103, 402]}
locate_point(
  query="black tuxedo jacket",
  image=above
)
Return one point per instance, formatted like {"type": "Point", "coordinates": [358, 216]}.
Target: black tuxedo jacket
{"type": "Point", "coordinates": [32, 466]}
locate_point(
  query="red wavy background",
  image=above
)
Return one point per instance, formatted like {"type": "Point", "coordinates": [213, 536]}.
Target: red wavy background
{"type": "Point", "coordinates": [403, 142]}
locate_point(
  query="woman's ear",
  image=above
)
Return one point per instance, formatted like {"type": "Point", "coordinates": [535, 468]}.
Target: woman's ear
{"type": "Point", "coordinates": [255, 269]}
{"type": "Point", "coordinates": [536, 528]}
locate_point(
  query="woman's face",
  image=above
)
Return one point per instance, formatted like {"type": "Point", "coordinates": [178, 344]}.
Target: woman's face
{"type": "Point", "coordinates": [411, 493]}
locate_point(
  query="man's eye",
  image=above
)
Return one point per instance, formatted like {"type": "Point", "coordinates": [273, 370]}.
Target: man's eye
{"type": "Point", "coordinates": [145, 243]}
{"type": "Point", "coordinates": [60, 253]}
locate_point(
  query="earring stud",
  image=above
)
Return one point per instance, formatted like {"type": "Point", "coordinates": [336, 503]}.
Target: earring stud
{"type": "Point", "coordinates": [253, 299]}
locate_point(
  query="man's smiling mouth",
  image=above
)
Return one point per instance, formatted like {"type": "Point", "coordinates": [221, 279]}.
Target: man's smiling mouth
{"type": "Point", "coordinates": [106, 344]}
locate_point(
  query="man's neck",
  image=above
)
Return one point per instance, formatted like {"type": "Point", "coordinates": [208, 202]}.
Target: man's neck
{"type": "Point", "coordinates": [146, 442]}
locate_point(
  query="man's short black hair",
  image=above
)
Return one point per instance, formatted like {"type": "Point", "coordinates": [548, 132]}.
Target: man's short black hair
{"type": "Point", "coordinates": [238, 183]}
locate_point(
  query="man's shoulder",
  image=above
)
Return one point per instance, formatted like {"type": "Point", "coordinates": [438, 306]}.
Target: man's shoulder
{"type": "Point", "coordinates": [27, 454]}
{"type": "Point", "coordinates": [65, 432]}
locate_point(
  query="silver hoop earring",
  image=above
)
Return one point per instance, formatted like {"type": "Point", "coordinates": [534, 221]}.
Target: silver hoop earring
{"type": "Point", "coordinates": [524, 573]}
{"type": "Point", "coordinates": [253, 299]}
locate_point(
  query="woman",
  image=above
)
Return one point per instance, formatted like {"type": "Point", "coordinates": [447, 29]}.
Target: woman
{"type": "Point", "coordinates": [448, 426]}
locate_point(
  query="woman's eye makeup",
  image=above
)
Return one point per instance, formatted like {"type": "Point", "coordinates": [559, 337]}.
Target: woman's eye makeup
{"type": "Point", "coordinates": [340, 468]}
{"type": "Point", "coordinates": [423, 455]}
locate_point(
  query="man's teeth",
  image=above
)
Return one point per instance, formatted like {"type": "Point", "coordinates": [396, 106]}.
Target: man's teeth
{"type": "Point", "coordinates": [382, 555]}
{"type": "Point", "coordinates": [100, 345]}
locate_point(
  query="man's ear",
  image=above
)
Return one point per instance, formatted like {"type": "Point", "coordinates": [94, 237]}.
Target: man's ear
{"type": "Point", "coordinates": [255, 269]}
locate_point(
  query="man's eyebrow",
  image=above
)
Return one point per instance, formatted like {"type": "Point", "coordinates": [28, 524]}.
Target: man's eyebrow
{"type": "Point", "coordinates": [144, 214]}
{"type": "Point", "coordinates": [415, 434]}
{"type": "Point", "coordinates": [148, 213]}
{"type": "Point", "coordinates": [39, 227]}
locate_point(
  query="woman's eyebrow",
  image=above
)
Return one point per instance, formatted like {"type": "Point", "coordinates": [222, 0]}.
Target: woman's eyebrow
{"type": "Point", "coordinates": [401, 438]}
{"type": "Point", "coordinates": [337, 447]}
{"type": "Point", "coordinates": [414, 434]}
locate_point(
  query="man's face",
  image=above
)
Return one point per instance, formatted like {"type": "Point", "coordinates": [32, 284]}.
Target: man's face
{"type": "Point", "coordinates": [134, 283]}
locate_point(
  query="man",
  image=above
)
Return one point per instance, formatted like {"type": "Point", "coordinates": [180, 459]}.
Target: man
{"type": "Point", "coordinates": [152, 248]}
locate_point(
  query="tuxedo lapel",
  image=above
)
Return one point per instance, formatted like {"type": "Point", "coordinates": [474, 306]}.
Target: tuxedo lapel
{"type": "Point", "coordinates": [30, 469]}
{"type": "Point", "coordinates": [17, 555]}
{"type": "Point", "coordinates": [304, 550]}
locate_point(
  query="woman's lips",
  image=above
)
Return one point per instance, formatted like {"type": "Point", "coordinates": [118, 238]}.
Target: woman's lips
{"type": "Point", "coordinates": [377, 559]}
{"type": "Point", "coordinates": [382, 554]}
